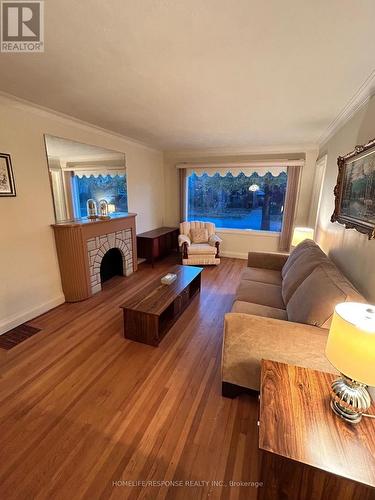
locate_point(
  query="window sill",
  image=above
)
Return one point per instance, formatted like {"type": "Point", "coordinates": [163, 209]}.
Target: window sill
{"type": "Point", "coordinates": [249, 232]}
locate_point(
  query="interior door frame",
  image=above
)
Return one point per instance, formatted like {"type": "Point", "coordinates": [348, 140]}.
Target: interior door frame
{"type": "Point", "coordinates": [320, 169]}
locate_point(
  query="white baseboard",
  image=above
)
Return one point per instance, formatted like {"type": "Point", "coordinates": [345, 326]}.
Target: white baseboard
{"type": "Point", "coordinates": [234, 255]}
{"type": "Point", "coordinates": [13, 321]}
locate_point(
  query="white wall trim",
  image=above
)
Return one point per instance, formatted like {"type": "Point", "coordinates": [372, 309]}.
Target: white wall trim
{"type": "Point", "coordinates": [234, 255]}
{"type": "Point", "coordinates": [185, 154]}
{"type": "Point", "coordinates": [29, 106]}
{"type": "Point", "coordinates": [248, 232]}
{"type": "Point", "coordinates": [360, 98]}
{"type": "Point", "coordinates": [13, 321]}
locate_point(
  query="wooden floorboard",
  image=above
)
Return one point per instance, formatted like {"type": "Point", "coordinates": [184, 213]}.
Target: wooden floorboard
{"type": "Point", "coordinates": [82, 408]}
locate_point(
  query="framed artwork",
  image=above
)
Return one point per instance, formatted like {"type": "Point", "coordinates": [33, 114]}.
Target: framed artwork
{"type": "Point", "coordinates": [355, 190]}
{"type": "Point", "coordinates": [7, 186]}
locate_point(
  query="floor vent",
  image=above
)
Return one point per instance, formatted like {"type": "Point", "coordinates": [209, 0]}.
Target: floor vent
{"type": "Point", "coordinates": [14, 337]}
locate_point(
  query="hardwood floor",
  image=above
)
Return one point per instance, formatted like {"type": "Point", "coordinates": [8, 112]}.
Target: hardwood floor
{"type": "Point", "coordinates": [81, 407]}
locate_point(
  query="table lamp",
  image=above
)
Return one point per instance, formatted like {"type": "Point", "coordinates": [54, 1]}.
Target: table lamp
{"type": "Point", "coordinates": [302, 233]}
{"type": "Point", "coordinates": [351, 350]}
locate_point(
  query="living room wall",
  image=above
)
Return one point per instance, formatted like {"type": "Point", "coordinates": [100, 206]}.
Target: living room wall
{"type": "Point", "coordinates": [350, 250]}
{"type": "Point", "coordinates": [30, 279]}
{"type": "Point", "coordinates": [237, 243]}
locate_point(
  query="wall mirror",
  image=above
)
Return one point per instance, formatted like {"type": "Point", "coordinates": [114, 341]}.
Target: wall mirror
{"type": "Point", "coordinates": [81, 174]}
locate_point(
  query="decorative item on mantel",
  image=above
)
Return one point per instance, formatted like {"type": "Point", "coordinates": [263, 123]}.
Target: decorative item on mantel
{"type": "Point", "coordinates": [355, 190]}
{"type": "Point", "coordinates": [111, 208]}
{"type": "Point", "coordinates": [351, 350]}
{"type": "Point", "coordinates": [92, 212]}
{"type": "Point", "coordinates": [103, 210]}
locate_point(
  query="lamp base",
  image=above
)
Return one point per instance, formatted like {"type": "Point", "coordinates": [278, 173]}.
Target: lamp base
{"type": "Point", "coordinates": [349, 399]}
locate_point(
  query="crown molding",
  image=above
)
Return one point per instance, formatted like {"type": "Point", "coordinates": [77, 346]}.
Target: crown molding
{"type": "Point", "coordinates": [248, 164]}
{"type": "Point", "coordinates": [242, 151]}
{"type": "Point", "coordinates": [29, 106]}
{"type": "Point", "coordinates": [360, 98]}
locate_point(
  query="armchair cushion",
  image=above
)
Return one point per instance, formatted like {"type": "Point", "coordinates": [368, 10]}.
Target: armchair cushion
{"type": "Point", "coordinates": [201, 249]}
{"type": "Point", "coordinates": [199, 235]}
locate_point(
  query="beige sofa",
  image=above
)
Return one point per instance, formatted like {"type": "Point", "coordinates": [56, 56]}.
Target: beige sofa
{"type": "Point", "coordinates": [282, 311]}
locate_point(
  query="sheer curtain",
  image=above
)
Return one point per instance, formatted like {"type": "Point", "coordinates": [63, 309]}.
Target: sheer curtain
{"type": "Point", "coordinates": [183, 194]}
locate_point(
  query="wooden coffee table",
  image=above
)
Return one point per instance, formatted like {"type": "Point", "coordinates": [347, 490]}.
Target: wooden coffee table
{"type": "Point", "coordinates": [150, 314]}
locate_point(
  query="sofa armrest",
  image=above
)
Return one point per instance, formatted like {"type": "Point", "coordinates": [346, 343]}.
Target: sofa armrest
{"type": "Point", "coordinates": [248, 339]}
{"type": "Point", "coordinates": [182, 238]}
{"type": "Point", "coordinates": [213, 239]}
{"type": "Point", "coordinates": [267, 260]}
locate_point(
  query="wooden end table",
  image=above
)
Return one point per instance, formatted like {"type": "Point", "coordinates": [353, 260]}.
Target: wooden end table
{"type": "Point", "coordinates": [151, 313]}
{"type": "Point", "coordinates": [307, 452]}
{"type": "Point", "coordinates": [157, 243]}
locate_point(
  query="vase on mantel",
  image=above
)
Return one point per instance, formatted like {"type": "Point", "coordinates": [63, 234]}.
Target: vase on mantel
{"type": "Point", "coordinates": [103, 210]}
{"type": "Point", "coordinates": [92, 211]}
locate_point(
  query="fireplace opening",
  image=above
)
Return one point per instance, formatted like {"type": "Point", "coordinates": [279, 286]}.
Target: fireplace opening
{"type": "Point", "coordinates": [111, 265]}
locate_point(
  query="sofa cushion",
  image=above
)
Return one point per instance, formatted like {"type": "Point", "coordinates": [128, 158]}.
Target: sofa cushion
{"type": "Point", "coordinates": [264, 294]}
{"type": "Point", "coordinates": [302, 266]}
{"type": "Point", "coordinates": [314, 300]}
{"type": "Point", "coordinates": [262, 275]}
{"type": "Point", "coordinates": [295, 253]}
{"type": "Point", "coordinates": [199, 235]}
{"type": "Point", "coordinates": [240, 306]}
{"type": "Point", "coordinates": [201, 249]}
{"type": "Point", "coordinates": [249, 339]}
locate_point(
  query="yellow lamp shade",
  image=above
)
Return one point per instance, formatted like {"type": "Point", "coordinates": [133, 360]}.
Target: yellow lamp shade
{"type": "Point", "coordinates": [351, 341]}
{"type": "Point", "coordinates": [302, 233]}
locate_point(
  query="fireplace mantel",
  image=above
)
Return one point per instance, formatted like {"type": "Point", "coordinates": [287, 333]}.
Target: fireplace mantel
{"type": "Point", "coordinates": [81, 245]}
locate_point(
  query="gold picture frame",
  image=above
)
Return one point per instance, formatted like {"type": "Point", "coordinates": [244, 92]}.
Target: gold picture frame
{"type": "Point", "coordinates": [355, 190]}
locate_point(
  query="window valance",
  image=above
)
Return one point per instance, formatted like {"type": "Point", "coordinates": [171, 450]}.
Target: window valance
{"type": "Point", "coordinates": [97, 172]}
{"type": "Point", "coordinates": [275, 167]}
{"type": "Point", "coordinates": [236, 171]}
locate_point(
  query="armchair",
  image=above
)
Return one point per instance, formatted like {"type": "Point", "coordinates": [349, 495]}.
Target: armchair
{"type": "Point", "coordinates": [204, 250]}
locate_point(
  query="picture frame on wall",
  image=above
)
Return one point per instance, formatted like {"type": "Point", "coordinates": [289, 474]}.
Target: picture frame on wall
{"type": "Point", "coordinates": [7, 185]}
{"type": "Point", "coordinates": [355, 190]}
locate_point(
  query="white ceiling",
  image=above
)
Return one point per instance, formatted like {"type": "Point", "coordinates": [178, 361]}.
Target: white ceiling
{"type": "Point", "coordinates": [182, 74]}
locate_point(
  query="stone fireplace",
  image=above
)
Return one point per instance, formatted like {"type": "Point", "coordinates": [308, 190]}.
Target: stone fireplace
{"type": "Point", "coordinates": [82, 246]}
{"type": "Point", "coordinates": [99, 247]}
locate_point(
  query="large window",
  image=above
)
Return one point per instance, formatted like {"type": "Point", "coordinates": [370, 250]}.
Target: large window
{"type": "Point", "coordinates": [111, 188]}
{"type": "Point", "coordinates": [240, 202]}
